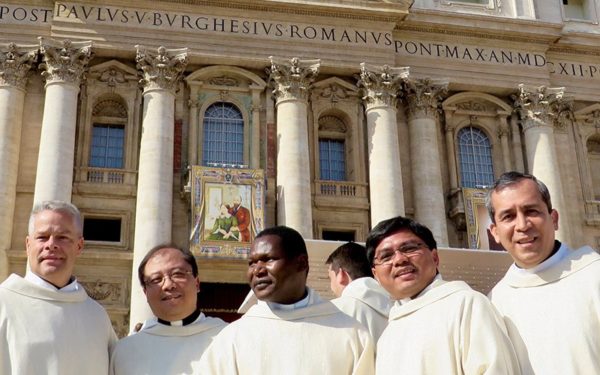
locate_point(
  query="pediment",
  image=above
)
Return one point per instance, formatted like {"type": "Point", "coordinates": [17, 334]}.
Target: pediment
{"type": "Point", "coordinates": [117, 67]}
{"type": "Point", "coordinates": [334, 89]}
{"type": "Point", "coordinates": [223, 75]}
{"type": "Point", "coordinates": [477, 102]}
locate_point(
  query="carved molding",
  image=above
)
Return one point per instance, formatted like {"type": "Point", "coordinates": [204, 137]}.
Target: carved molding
{"type": "Point", "coordinates": [542, 106]}
{"type": "Point", "coordinates": [112, 77]}
{"type": "Point", "coordinates": [424, 97]}
{"type": "Point", "coordinates": [335, 93]}
{"type": "Point", "coordinates": [110, 108]}
{"type": "Point", "coordinates": [332, 124]}
{"type": "Point", "coordinates": [162, 70]}
{"type": "Point", "coordinates": [292, 78]}
{"type": "Point", "coordinates": [224, 81]}
{"type": "Point", "coordinates": [109, 293]}
{"type": "Point", "coordinates": [381, 84]}
{"type": "Point", "coordinates": [15, 64]}
{"type": "Point", "coordinates": [64, 61]}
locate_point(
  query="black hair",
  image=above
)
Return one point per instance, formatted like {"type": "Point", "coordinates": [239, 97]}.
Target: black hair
{"type": "Point", "coordinates": [351, 257]}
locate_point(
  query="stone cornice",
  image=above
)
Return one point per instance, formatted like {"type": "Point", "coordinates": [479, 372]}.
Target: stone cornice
{"type": "Point", "coordinates": [15, 64]}
{"type": "Point", "coordinates": [380, 11]}
{"type": "Point", "coordinates": [424, 97]}
{"type": "Point", "coordinates": [481, 26]}
{"type": "Point", "coordinates": [162, 70]}
{"type": "Point", "coordinates": [292, 77]}
{"type": "Point", "coordinates": [381, 84]}
{"type": "Point", "coordinates": [64, 61]}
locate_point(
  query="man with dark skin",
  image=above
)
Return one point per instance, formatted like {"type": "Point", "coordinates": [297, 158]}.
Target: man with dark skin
{"type": "Point", "coordinates": [301, 333]}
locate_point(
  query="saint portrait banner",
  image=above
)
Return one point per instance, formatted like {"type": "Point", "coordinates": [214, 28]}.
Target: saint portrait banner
{"type": "Point", "coordinates": [227, 209]}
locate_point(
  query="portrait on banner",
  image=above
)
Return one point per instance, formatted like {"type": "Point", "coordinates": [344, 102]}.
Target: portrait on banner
{"type": "Point", "coordinates": [478, 220]}
{"type": "Point", "coordinates": [228, 208]}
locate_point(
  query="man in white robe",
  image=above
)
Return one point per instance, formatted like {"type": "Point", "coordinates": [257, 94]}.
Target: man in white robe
{"type": "Point", "coordinates": [290, 330]}
{"type": "Point", "coordinates": [435, 326]}
{"type": "Point", "coordinates": [173, 341]}
{"type": "Point", "coordinates": [48, 324]}
{"type": "Point", "coordinates": [550, 296]}
{"type": "Point", "coordinates": [358, 294]}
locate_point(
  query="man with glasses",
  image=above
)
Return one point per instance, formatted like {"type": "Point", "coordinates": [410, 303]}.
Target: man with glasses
{"type": "Point", "coordinates": [173, 341]}
{"type": "Point", "coordinates": [48, 323]}
{"type": "Point", "coordinates": [550, 296]}
{"type": "Point", "coordinates": [290, 330]}
{"type": "Point", "coordinates": [435, 326]}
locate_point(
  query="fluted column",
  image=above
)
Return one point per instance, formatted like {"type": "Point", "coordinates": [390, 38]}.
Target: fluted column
{"type": "Point", "coordinates": [424, 98]}
{"type": "Point", "coordinates": [537, 107]}
{"type": "Point", "coordinates": [64, 64]}
{"type": "Point", "coordinates": [380, 90]}
{"type": "Point", "coordinates": [292, 79]}
{"type": "Point", "coordinates": [517, 146]}
{"type": "Point", "coordinates": [161, 73]}
{"type": "Point", "coordinates": [503, 132]}
{"type": "Point", "coordinates": [15, 64]}
{"type": "Point", "coordinates": [193, 128]}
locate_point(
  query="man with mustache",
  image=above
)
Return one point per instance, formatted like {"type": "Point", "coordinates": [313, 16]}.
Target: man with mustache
{"type": "Point", "coordinates": [550, 296]}
{"type": "Point", "coordinates": [48, 324]}
{"type": "Point", "coordinates": [290, 330]}
{"type": "Point", "coordinates": [435, 326]}
{"type": "Point", "coordinates": [173, 341]}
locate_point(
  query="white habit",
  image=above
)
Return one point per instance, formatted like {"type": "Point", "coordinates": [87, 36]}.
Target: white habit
{"type": "Point", "coordinates": [448, 330]}
{"type": "Point", "coordinates": [366, 301]}
{"type": "Point", "coordinates": [161, 349]}
{"type": "Point", "coordinates": [553, 316]}
{"type": "Point", "coordinates": [43, 331]}
{"type": "Point", "coordinates": [316, 339]}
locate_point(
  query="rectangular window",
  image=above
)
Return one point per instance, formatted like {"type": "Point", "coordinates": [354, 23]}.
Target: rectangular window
{"type": "Point", "coordinates": [337, 235]}
{"type": "Point", "coordinates": [332, 156]}
{"type": "Point", "coordinates": [107, 146]}
{"type": "Point", "coordinates": [106, 230]}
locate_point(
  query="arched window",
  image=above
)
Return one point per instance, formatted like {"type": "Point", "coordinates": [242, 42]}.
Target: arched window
{"type": "Point", "coordinates": [332, 149]}
{"type": "Point", "coordinates": [108, 134]}
{"type": "Point", "coordinates": [223, 137]}
{"type": "Point", "coordinates": [475, 158]}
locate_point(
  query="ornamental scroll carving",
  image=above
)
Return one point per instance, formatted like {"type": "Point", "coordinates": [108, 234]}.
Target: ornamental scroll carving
{"type": "Point", "coordinates": [109, 293]}
{"type": "Point", "coordinates": [15, 64]}
{"type": "Point", "coordinates": [541, 106]}
{"type": "Point", "coordinates": [64, 61]}
{"type": "Point", "coordinates": [161, 70]}
{"type": "Point", "coordinates": [424, 97]}
{"type": "Point", "coordinates": [381, 84]}
{"type": "Point", "coordinates": [292, 78]}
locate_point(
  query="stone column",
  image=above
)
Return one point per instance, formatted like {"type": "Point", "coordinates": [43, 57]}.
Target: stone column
{"type": "Point", "coordinates": [15, 64]}
{"type": "Point", "coordinates": [380, 90]}
{"type": "Point", "coordinates": [161, 73]}
{"type": "Point", "coordinates": [537, 107]}
{"type": "Point", "coordinates": [64, 64]}
{"type": "Point", "coordinates": [503, 132]}
{"type": "Point", "coordinates": [424, 98]}
{"type": "Point", "coordinates": [193, 128]}
{"type": "Point", "coordinates": [517, 146]}
{"type": "Point", "coordinates": [292, 79]}
{"type": "Point", "coordinates": [255, 133]}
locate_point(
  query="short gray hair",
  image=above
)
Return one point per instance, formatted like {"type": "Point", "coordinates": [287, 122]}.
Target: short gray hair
{"type": "Point", "coordinates": [58, 206]}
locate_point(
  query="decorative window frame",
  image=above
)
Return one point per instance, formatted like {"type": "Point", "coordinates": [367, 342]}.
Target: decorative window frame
{"type": "Point", "coordinates": [589, 8]}
{"type": "Point", "coordinates": [237, 86]}
{"type": "Point", "coordinates": [486, 6]}
{"type": "Point", "coordinates": [126, 223]}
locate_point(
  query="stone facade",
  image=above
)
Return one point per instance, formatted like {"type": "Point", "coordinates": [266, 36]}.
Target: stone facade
{"type": "Point", "coordinates": [396, 83]}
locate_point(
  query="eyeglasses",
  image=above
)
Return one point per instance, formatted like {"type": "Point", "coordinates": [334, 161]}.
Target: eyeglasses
{"type": "Point", "coordinates": [409, 250]}
{"type": "Point", "coordinates": [176, 276]}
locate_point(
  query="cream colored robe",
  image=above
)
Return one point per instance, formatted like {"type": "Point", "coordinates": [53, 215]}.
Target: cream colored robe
{"type": "Point", "coordinates": [43, 331]}
{"type": "Point", "coordinates": [317, 339]}
{"type": "Point", "coordinates": [449, 330]}
{"type": "Point", "coordinates": [366, 301]}
{"type": "Point", "coordinates": [553, 317]}
{"type": "Point", "coordinates": [165, 350]}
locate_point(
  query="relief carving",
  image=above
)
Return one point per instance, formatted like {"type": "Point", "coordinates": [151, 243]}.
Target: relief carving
{"type": "Point", "coordinates": [64, 61]}
{"type": "Point", "coordinates": [540, 106]}
{"type": "Point", "coordinates": [223, 81]}
{"type": "Point", "coordinates": [381, 85]}
{"type": "Point", "coordinates": [105, 292]}
{"type": "Point", "coordinates": [162, 70]}
{"type": "Point", "coordinates": [292, 78]}
{"type": "Point", "coordinates": [15, 64]}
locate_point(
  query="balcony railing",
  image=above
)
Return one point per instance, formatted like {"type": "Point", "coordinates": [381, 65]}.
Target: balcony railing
{"type": "Point", "coordinates": [592, 212]}
{"type": "Point", "coordinates": [106, 176]}
{"type": "Point", "coordinates": [345, 189]}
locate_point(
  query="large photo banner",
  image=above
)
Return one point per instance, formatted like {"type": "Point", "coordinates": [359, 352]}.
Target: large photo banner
{"type": "Point", "coordinates": [478, 220]}
{"type": "Point", "coordinates": [228, 210]}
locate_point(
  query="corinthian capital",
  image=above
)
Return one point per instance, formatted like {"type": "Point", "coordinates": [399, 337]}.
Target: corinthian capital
{"type": "Point", "coordinates": [424, 96]}
{"type": "Point", "coordinates": [538, 106]}
{"type": "Point", "coordinates": [162, 70]}
{"type": "Point", "coordinates": [64, 61]}
{"type": "Point", "coordinates": [15, 64]}
{"type": "Point", "coordinates": [381, 84]}
{"type": "Point", "coordinates": [292, 77]}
